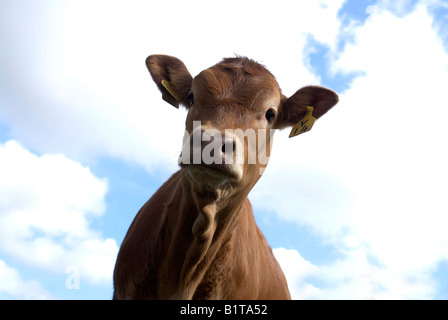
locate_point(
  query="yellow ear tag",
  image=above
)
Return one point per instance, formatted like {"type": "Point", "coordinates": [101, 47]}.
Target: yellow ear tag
{"type": "Point", "coordinates": [305, 124]}
{"type": "Point", "coordinates": [170, 89]}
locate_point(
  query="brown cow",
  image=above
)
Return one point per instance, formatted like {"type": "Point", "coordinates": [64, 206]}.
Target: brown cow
{"type": "Point", "coordinates": [196, 237]}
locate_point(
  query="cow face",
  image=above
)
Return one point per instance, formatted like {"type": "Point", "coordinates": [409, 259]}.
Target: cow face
{"type": "Point", "coordinates": [233, 108]}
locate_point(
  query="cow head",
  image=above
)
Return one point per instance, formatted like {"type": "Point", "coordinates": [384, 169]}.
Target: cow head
{"type": "Point", "coordinates": [232, 109]}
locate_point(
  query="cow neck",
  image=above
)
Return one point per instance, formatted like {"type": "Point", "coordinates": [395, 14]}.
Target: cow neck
{"type": "Point", "coordinates": [216, 216]}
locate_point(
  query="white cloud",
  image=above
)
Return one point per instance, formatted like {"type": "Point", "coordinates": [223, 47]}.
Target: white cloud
{"type": "Point", "coordinates": [46, 205]}
{"type": "Point", "coordinates": [354, 276]}
{"type": "Point", "coordinates": [397, 160]}
{"type": "Point", "coordinates": [381, 154]}
{"type": "Point", "coordinates": [78, 86]}
{"type": "Point", "coordinates": [357, 277]}
{"type": "Point", "coordinates": [89, 94]}
{"type": "Point", "coordinates": [296, 270]}
{"type": "Point", "coordinates": [306, 196]}
{"type": "Point", "coordinates": [370, 178]}
{"type": "Point", "coordinates": [13, 286]}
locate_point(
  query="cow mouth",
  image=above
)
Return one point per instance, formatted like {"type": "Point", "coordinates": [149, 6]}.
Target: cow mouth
{"type": "Point", "coordinates": [213, 175]}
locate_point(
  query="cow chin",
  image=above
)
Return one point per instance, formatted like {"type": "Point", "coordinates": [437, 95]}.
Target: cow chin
{"type": "Point", "coordinates": [214, 176]}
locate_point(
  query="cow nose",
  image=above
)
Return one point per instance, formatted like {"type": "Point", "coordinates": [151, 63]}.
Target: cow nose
{"type": "Point", "coordinates": [216, 147]}
{"type": "Point", "coordinates": [228, 146]}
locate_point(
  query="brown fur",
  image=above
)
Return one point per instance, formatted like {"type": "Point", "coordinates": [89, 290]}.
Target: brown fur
{"type": "Point", "coordinates": [194, 241]}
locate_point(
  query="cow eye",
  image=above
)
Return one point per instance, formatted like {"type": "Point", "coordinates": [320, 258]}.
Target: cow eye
{"type": "Point", "coordinates": [191, 99]}
{"type": "Point", "coordinates": [270, 115]}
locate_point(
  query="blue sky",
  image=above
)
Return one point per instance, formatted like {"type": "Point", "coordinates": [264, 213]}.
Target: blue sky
{"type": "Point", "coordinates": [354, 209]}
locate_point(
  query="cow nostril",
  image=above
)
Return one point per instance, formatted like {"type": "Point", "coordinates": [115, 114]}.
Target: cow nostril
{"type": "Point", "coordinates": [228, 147]}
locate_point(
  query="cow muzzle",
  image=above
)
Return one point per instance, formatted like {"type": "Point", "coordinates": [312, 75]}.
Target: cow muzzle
{"type": "Point", "coordinates": [212, 157]}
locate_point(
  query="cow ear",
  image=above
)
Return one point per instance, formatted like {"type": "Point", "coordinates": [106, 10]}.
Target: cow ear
{"type": "Point", "coordinates": [304, 107]}
{"type": "Point", "coordinates": [171, 77]}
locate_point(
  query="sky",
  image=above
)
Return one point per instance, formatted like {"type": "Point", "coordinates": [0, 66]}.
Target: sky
{"type": "Point", "coordinates": [354, 209]}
